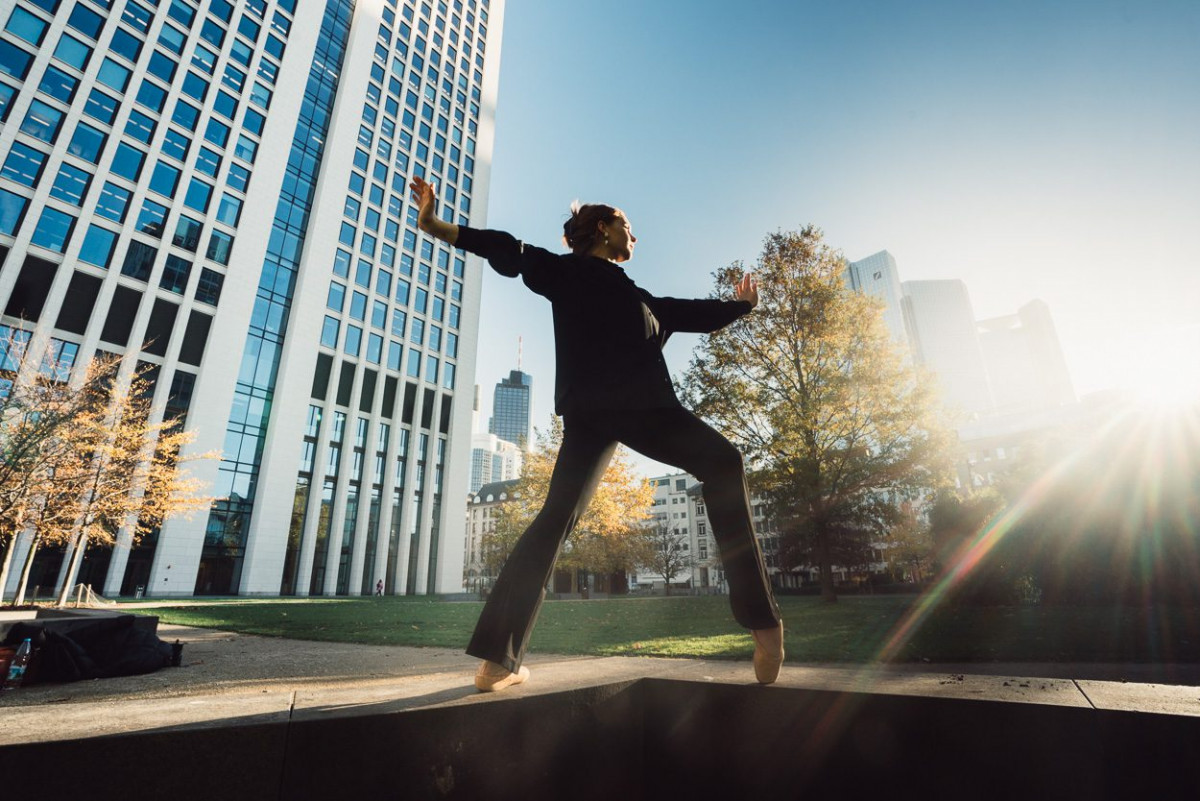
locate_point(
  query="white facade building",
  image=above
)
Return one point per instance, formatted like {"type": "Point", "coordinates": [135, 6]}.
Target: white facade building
{"type": "Point", "coordinates": [217, 191]}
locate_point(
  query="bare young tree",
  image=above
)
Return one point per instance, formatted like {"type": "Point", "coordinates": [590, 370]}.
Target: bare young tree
{"type": "Point", "coordinates": [670, 555]}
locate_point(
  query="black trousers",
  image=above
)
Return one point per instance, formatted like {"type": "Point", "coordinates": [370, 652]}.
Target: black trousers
{"type": "Point", "coordinates": [674, 436]}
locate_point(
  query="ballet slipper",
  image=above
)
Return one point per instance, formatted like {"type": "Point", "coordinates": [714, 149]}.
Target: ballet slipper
{"type": "Point", "coordinates": [492, 677]}
{"type": "Point", "coordinates": [768, 653]}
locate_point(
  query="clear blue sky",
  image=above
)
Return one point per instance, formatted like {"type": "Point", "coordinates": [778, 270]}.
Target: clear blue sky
{"type": "Point", "coordinates": [1032, 149]}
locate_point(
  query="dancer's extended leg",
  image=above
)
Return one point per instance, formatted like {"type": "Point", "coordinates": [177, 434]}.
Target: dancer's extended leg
{"type": "Point", "coordinates": [504, 626]}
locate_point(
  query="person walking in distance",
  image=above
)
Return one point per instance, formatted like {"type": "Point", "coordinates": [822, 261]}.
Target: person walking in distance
{"type": "Point", "coordinates": [611, 386]}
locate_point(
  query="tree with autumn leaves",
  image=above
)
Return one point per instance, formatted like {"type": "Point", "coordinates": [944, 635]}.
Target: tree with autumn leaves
{"type": "Point", "coordinates": [612, 536]}
{"type": "Point", "coordinates": [837, 428]}
{"type": "Point", "coordinates": [86, 460]}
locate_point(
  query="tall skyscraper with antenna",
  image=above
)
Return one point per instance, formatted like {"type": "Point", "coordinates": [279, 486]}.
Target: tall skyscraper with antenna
{"type": "Point", "coordinates": [510, 405]}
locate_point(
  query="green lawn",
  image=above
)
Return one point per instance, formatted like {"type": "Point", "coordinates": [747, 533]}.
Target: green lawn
{"type": "Point", "coordinates": [856, 629]}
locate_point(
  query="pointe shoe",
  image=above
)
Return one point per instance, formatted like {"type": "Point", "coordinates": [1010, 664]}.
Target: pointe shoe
{"type": "Point", "coordinates": [492, 677]}
{"type": "Point", "coordinates": [768, 653]}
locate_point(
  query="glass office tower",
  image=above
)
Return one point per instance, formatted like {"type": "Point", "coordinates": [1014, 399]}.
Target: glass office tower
{"type": "Point", "coordinates": [216, 190]}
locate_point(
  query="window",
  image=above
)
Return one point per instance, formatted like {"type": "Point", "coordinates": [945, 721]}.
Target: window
{"type": "Point", "coordinates": [126, 44]}
{"type": "Point", "coordinates": [379, 311]}
{"type": "Point", "coordinates": [73, 52]}
{"type": "Point", "coordinates": [181, 12]}
{"type": "Point", "coordinates": [165, 179]}
{"type": "Point", "coordinates": [24, 164]}
{"type": "Point", "coordinates": [139, 260]}
{"type": "Point", "coordinates": [187, 233]}
{"type": "Point", "coordinates": [42, 121]}
{"type": "Point", "coordinates": [29, 27]}
{"type": "Point", "coordinates": [208, 162]}
{"type": "Point", "coordinates": [358, 306]}
{"type": "Point", "coordinates": [246, 148]}
{"type": "Point", "coordinates": [6, 96]}
{"type": "Point", "coordinates": [152, 218]}
{"type": "Point", "coordinates": [217, 133]}
{"type": "Point", "coordinates": [87, 143]}
{"type": "Point", "coordinates": [162, 67]}
{"type": "Point", "coordinates": [431, 369]}
{"type": "Point", "coordinates": [229, 211]}
{"type": "Point", "coordinates": [417, 331]}
{"type": "Point", "coordinates": [71, 184]}
{"type": "Point", "coordinates": [140, 127]}
{"type": "Point", "coordinates": [234, 78]}
{"type": "Point", "coordinates": [176, 145]}
{"type": "Point", "coordinates": [219, 246]}
{"type": "Point", "coordinates": [175, 274]}
{"type": "Point", "coordinates": [198, 195]}
{"type": "Point", "coordinates": [241, 52]}
{"type": "Point", "coordinates": [204, 59]}
{"type": "Point", "coordinates": [208, 288]}
{"type": "Point", "coordinates": [336, 298]}
{"type": "Point", "coordinates": [152, 96]}
{"type": "Point", "coordinates": [254, 122]}
{"type": "Point", "coordinates": [58, 84]}
{"type": "Point", "coordinates": [395, 352]}
{"type": "Point", "coordinates": [238, 177]}
{"type": "Point", "coordinates": [53, 230]}
{"type": "Point", "coordinates": [59, 359]}
{"type": "Point", "coordinates": [98, 244]}
{"type": "Point", "coordinates": [137, 16]}
{"type": "Point", "coordinates": [113, 202]}
{"type": "Point", "coordinates": [195, 87]}
{"type": "Point", "coordinates": [12, 211]}
{"type": "Point", "coordinates": [353, 340]}
{"type": "Point", "coordinates": [225, 105]}
{"type": "Point", "coordinates": [101, 107]}
{"type": "Point", "coordinates": [414, 364]}
{"type": "Point", "coordinates": [173, 39]}
{"type": "Point", "coordinates": [260, 96]}
{"type": "Point", "coordinates": [374, 348]}
{"type": "Point", "coordinates": [15, 62]}
{"type": "Point", "coordinates": [399, 319]}
{"type": "Point", "coordinates": [186, 115]}
{"type": "Point", "coordinates": [213, 33]}
{"type": "Point", "coordinates": [329, 332]}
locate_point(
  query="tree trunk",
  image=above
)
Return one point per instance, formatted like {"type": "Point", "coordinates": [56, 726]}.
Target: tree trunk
{"type": "Point", "coordinates": [68, 580]}
{"type": "Point", "coordinates": [6, 568]}
{"type": "Point", "coordinates": [26, 570]}
{"type": "Point", "coordinates": [825, 565]}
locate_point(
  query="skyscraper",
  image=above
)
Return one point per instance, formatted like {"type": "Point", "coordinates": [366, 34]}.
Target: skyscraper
{"type": "Point", "coordinates": [510, 408]}
{"type": "Point", "coordinates": [217, 190]}
{"type": "Point", "coordinates": [877, 276]}
{"type": "Point", "coordinates": [944, 337]}
{"type": "Point", "coordinates": [1025, 362]}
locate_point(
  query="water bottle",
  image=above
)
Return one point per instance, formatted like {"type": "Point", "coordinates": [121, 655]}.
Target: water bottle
{"type": "Point", "coordinates": [16, 669]}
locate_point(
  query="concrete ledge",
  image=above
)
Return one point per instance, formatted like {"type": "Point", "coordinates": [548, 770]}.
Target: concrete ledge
{"type": "Point", "coordinates": [622, 728]}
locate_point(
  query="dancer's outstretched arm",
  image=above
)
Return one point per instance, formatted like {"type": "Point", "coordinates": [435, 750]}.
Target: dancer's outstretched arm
{"type": "Point", "coordinates": [508, 256]}
{"type": "Point", "coordinates": [707, 315]}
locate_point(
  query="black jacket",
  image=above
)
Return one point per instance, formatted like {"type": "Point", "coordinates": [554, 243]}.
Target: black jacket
{"type": "Point", "coordinates": [608, 332]}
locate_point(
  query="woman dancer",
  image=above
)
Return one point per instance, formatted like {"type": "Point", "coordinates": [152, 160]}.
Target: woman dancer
{"type": "Point", "coordinates": [612, 386]}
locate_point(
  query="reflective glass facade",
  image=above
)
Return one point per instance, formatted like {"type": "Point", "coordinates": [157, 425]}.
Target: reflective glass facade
{"type": "Point", "coordinates": [216, 191]}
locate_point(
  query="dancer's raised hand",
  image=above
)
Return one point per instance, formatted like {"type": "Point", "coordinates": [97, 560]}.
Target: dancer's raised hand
{"type": "Point", "coordinates": [746, 289]}
{"type": "Point", "coordinates": [425, 196]}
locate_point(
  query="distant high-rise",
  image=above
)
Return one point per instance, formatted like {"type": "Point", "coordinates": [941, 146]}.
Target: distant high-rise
{"type": "Point", "coordinates": [877, 276]}
{"type": "Point", "coordinates": [945, 338]}
{"type": "Point", "coordinates": [510, 408]}
{"type": "Point", "coordinates": [1024, 360]}
{"type": "Point", "coordinates": [217, 192]}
